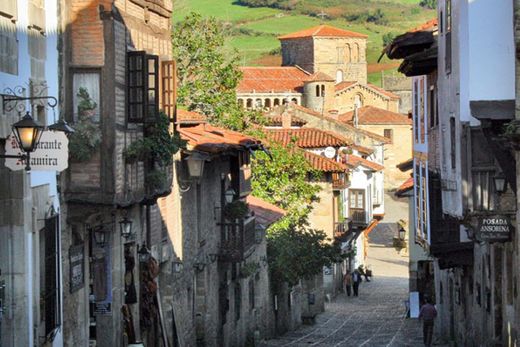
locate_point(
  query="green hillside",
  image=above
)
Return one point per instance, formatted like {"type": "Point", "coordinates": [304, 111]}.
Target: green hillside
{"type": "Point", "coordinates": [254, 31]}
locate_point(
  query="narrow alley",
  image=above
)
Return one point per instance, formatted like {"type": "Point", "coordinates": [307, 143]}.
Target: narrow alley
{"type": "Point", "coordinates": [376, 317]}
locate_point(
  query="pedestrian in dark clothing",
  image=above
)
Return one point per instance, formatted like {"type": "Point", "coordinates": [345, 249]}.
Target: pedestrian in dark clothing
{"type": "Point", "coordinates": [347, 282]}
{"type": "Point", "coordinates": [363, 273]}
{"type": "Point", "coordinates": [356, 280]}
{"type": "Point", "coordinates": [427, 314]}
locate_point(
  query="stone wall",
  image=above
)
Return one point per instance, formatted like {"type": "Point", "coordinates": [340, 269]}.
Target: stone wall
{"type": "Point", "coordinates": [321, 215]}
{"type": "Point", "coordinates": [402, 86]}
{"type": "Point", "coordinates": [345, 54]}
{"type": "Point", "coordinates": [345, 99]}
{"type": "Point", "coordinates": [299, 52]}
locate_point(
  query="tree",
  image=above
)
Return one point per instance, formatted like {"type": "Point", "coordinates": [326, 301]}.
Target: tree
{"type": "Point", "coordinates": [208, 74]}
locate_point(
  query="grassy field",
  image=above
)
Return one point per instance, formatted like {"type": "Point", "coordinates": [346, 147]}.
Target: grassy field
{"type": "Point", "coordinates": [268, 23]}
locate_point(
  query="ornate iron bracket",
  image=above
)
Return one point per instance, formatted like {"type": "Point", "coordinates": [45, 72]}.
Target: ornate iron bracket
{"type": "Point", "coordinates": [12, 98]}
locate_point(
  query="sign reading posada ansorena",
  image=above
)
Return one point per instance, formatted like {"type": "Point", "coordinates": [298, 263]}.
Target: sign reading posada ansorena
{"type": "Point", "coordinates": [494, 228]}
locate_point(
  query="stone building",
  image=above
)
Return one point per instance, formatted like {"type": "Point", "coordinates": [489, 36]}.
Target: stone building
{"type": "Point", "coordinates": [324, 69]}
{"type": "Point", "coordinates": [464, 165]}
{"type": "Point", "coordinates": [116, 74]}
{"type": "Point", "coordinates": [30, 258]}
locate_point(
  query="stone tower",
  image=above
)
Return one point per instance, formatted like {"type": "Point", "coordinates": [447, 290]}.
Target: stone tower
{"type": "Point", "coordinates": [333, 51]}
{"type": "Point", "coordinates": [318, 92]}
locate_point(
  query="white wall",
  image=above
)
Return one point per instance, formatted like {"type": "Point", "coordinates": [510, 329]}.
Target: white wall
{"type": "Point", "coordinates": [491, 50]}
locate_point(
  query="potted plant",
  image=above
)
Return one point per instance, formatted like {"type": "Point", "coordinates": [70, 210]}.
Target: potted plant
{"type": "Point", "coordinates": [236, 210]}
{"type": "Point", "coordinates": [85, 141]}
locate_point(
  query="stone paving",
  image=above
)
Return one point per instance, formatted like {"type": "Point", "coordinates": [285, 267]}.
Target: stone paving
{"type": "Point", "coordinates": [376, 317]}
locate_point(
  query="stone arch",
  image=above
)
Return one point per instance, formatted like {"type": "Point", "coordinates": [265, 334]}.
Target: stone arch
{"type": "Point", "coordinates": [339, 76]}
{"type": "Point", "coordinates": [294, 100]}
{"type": "Point", "coordinates": [267, 103]}
{"type": "Point", "coordinates": [240, 102]}
{"type": "Point", "coordinates": [276, 102]}
{"type": "Point", "coordinates": [348, 53]}
{"type": "Point", "coordinates": [317, 90]}
{"type": "Point", "coordinates": [355, 53]}
{"type": "Point", "coordinates": [258, 103]}
{"type": "Point", "coordinates": [249, 103]}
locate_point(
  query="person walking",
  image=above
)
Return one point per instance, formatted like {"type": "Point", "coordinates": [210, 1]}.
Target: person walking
{"type": "Point", "coordinates": [356, 280]}
{"type": "Point", "coordinates": [347, 282]}
{"type": "Point", "coordinates": [427, 313]}
{"type": "Point", "coordinates": [363, 273]}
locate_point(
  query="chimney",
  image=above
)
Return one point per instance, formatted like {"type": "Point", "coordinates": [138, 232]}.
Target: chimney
{"type": "Point", "coordinates": [286, 118]}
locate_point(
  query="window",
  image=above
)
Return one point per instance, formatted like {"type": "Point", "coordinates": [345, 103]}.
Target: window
{"type": "Point", "coordinates": [317, 91]}
{"type": "Point", "coordinates": [453, 145]}
{"type": "Point", "coordinates": [238, 301]}
{"type": "Point", "coordinates": [143, 86]}
{"type": "Point", "coordinates": [389, 134]}
{"type": "Point", "coordinates": [447, 57]}
{"type": "Point", "coordinates": [339, 76]}
{"type": "Point", "coordinates": [441, 22]}
{"type": "Point", "coordinates": [50, 279]}
{"type": "Point", "coordinates": [322, 90]}
{"type": "Point", "coordinates": [432, 102]}
{"type": "Point", "coordinates": [416, 110]}
{"type": "Point", "coordinates": [422, 111]}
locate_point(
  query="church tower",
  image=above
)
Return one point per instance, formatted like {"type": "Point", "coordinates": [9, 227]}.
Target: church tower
{"type": "Point", "coordinates": [318, 92]}
{"type": "Point", "coordinates": [336, 52]}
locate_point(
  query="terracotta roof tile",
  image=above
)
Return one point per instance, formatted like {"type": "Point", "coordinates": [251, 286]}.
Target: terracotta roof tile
{"type": "Point", "coordinates": [383, 91]}
{"type": "Point", "coordinates": [361, 131]}
{"type": "Point", "coordinates": [375, 115]}
{"type": "Point", "coordinates": [322, 31]}
{"type": "Point", "coordinates": [276, 79]}
{"type": "Point", "coordinates": [210, 139]}
{"type": "Point", "coordinates": [184, 116]}
{"type": "Point", "coordinates": [344, 85]}
{"type": "Point", "coordinates": [320, 76]}
{"type": "Point", "coordinates": [307, 137]}
{"type": "Point", "coordinates": [429, 25]}
{"type": "Point", "coordinates": [406, 186]}
{"type": "Point", "coordinates": [276, 120]}
{"type": "Point", "coordinates": [362, 150]}
{"type": "Point", "coordinates": [323, 164]}
{"type": "Point", "coordinates": [265, 212]}
{"type": "Point", "coordinates": [354, 161]}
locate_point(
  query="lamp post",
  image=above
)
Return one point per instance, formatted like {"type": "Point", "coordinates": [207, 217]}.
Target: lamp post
{"type": "Point", "coordinates": [500, 183]}
{"type": "Point", "coordinates": [195, 163]}
{"type": "Point", "coordinates": [229, 195]}
{"type": "Point", "coordinates": [143, 254]}
{"type": "Point", "coordinates": [28, 133]}
{"type": "Point", "coordinates": [402, 233]}
{"type": "Point", "coordinates": [100, 236]}
{"type": "Point", "coordinates": [125, 225]}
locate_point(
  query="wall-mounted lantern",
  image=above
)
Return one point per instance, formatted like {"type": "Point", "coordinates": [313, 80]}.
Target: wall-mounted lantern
{"type": "Point", "coordinates": [100, 236]}
{"type": "Point", "coordinates": [177, 266]}
{"type": "Point", "coordinates": [125, 226]}
{"type": "Point", "coordinates": [229, 195]}
{"type": "Point", "coordinates": [500, 183]}
{"type": "Point", "coordinates": [143, 254]}
{"type": "Point", "coordinates": [63, 126]}
{"type": "Point", "coordinates": [28, 133]}
{"type": "Point", "coordinates": [195, 163]}
{"type": "Point", "coordinates": [212, 257]}
{"type": "Point", "coordinates": [402, 233]}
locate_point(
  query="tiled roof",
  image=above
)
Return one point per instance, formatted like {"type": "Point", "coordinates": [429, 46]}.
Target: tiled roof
{"type": "Point", "coordinates": [322, 31]}
{"type": "Point", "coordinates": [375, 115]}
{"type": "Point", "coordinates": [429, 25]}
{"type": "Point", "coordinates": [265, 212]}
{"type": "Point", "coordinates": [361, 131]}
{"type": "Point", "coordinates": [323, 164]}
{"type": "Point", "coordinates": [348, 84]}
{"type": "Point", "coordinates": [319, 76]}
{"type": "Point", "coordinates": [210, 139]}
{"type": "Point", "coordinates": [355, 161]}
{"type": "Point", "coordinates": [276, 79]}
{"type": "Point", "coordinates": [406, 186]}
{"type": "Point", "coordinates": [307, 137]}
{"type": "Point", "coordinates": [362, 150]}
{"type": "Point", "coordinates": [184, 117]}
{"type": "Point", "coordinates": [405, 165]}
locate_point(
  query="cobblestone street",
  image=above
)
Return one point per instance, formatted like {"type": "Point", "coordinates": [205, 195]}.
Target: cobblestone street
{"type": "Point", "coordinates": [376, 317]}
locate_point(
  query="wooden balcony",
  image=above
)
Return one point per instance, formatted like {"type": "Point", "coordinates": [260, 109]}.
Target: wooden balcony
{"type": "Point", "coordinates": [339, 181]}
{"type": "Point", "coordinates": [238, 239]}
{"type": "Point", "coordinates": [342, 228]}
{"type": "Point", "coordinates": [358, 217]}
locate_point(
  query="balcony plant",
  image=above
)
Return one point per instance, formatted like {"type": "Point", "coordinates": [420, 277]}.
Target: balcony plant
{"type": "Point", "coordinates": [236, 210]}
{"type": "Point", "coordinates": [85, 141]}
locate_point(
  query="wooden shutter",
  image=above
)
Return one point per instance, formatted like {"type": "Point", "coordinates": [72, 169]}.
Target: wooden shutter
{"type": "Point", "coordinates": [51, 298]}
{"type": "Point", "coordinates": [136, 86]}
{"type": "Point", "coordinates": [169, 89]}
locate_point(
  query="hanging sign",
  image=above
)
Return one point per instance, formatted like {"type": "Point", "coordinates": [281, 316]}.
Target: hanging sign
{"type": "Point", "coordinates": [51, 154]}
{"type": "Point", "coordinates": [494, 228]}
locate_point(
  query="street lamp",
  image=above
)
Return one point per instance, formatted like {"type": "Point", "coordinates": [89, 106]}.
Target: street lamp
{"type": "Point", "coordinates": [402, 233]}
{"type": "Point", "coordinates": [125, 225]}
{"type": "Point", "coordinates": [229, 195]}
{"type": "Point", "coordinates": [177, 266]}
{"type": "Point", "coordinates": [500, 183]}
{"type": "Point", "coordinates": [100, 236]}
{"type": "Point", "coordinates": [28, 133]}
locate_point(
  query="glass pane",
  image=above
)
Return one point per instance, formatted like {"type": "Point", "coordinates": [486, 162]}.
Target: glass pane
{"type": "Point", "coordinates": [352, 200]}
{"type": "Point", "coordinates": [151, 81]}
{"type": "Point", "coordinates": [151, 66]}
{"type": "Point", "coordinates": [360, 200]}
{"type": "Point", "coordinates": [151, 96]}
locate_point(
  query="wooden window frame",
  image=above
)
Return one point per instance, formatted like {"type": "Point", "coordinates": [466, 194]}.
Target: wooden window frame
{"type": "Point", "coordinates": [51, 300]}
{"type": "Point", "coordinates": [448, 39]}
{"type": "Point", "coordinates": [149, 105]}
